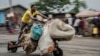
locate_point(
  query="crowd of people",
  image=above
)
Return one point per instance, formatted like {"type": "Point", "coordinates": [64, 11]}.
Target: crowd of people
{"type": "Point", "coordinates": [76, 23]}
{"type": "Point", "coordinates": [84, 24]}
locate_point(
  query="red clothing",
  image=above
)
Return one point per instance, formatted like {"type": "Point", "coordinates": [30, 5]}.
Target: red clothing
{"type": "Point", "coordinates": [15, 18]}
{"type": "Point", "coordinates": [82, 23]}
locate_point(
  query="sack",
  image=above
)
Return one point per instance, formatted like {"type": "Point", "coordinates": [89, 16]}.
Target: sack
{"type": "Point", "coordinates": [95, 30]}
{"type": "Point", "coordinates": [45, 43]}
{"type": "Point", "coordinates": [28, 45]}
{"type": "Point", "coordinates": [36, 32]}
{"type": "Point", "coordinates": [61, 30]}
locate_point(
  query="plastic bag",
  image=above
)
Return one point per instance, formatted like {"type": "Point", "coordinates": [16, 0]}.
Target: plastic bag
{"type": "Point", "coordinates": [46, 44]}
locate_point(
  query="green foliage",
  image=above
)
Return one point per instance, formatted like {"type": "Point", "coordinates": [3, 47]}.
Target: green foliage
{"type": "Point", "coordinates": [49, 5]}
{"type": "Point", "coordinates": [78, 4]}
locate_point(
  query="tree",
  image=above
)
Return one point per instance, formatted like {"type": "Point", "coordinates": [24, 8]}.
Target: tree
{"type": "Point", "coordinates": [78, 4]}
{"type": "Point", "coordinates": [49, 5]}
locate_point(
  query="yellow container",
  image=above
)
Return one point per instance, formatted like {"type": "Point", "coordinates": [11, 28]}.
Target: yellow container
{"type": "Point", "coordinates": [95, 30]}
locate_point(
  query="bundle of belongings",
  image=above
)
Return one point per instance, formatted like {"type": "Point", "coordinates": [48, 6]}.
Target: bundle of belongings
{"type": "Point", "coordinates": [60, 30]}
{"type": "Point", "coordinates": [57, 29]}
{"type": "Point", "coordinates": [30, 40]}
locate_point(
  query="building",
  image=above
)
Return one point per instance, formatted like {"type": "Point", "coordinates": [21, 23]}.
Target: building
{"type": "Point", "coordinates": [2, 18]}
{"type": "Point", "coordinates": [18, 9]}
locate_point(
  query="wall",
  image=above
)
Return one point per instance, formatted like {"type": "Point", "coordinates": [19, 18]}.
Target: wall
{"type": "Point", "coordinates": [18, 10]}
{"type": "Point", "coordinates": [2, 17]}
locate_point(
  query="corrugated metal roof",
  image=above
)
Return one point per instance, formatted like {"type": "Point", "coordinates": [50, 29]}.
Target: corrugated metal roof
{"type": "Point", "coordinates": [7, 6]}
{"type": "Point", "coordinates": [3, 7]}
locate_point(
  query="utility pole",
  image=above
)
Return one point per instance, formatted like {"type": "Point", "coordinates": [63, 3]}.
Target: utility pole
{"type": "Point", "coordinates": [10, 4]}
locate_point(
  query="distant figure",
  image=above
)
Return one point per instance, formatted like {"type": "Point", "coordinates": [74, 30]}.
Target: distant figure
{"type": "Point", "coordinates": [96, 22]}
{"type": "Point", "coordinates": [82, 25]}
{"type": "Point", "coordinates": [75, 24]}
{"type": "Point", "coordinates": [9, 27]}
{"type": "Point", "coordinates": [69, 20]}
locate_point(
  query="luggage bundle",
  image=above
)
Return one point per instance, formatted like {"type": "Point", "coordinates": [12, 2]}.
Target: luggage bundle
{"type": "Point", "coordinates": [60, 30]}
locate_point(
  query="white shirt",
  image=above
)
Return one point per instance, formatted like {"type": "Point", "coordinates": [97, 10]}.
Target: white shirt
{"type": "Point", "coordinates": [76, 23]}
{"type": "Point", "coordinates": [70, 21]}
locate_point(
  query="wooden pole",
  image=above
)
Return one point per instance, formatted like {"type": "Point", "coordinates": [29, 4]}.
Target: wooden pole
{"type": "Point", "coordinates": [10, 4]}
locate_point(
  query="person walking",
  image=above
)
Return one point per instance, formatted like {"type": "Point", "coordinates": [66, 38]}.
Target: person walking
{"type": "Point", "coordinates": [75, 24]}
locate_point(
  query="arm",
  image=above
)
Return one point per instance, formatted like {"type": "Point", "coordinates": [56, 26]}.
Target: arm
{"type": "Point", "coordinates": [43, 16]}
{"type": "Point", "coordinates": [31, 17]}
